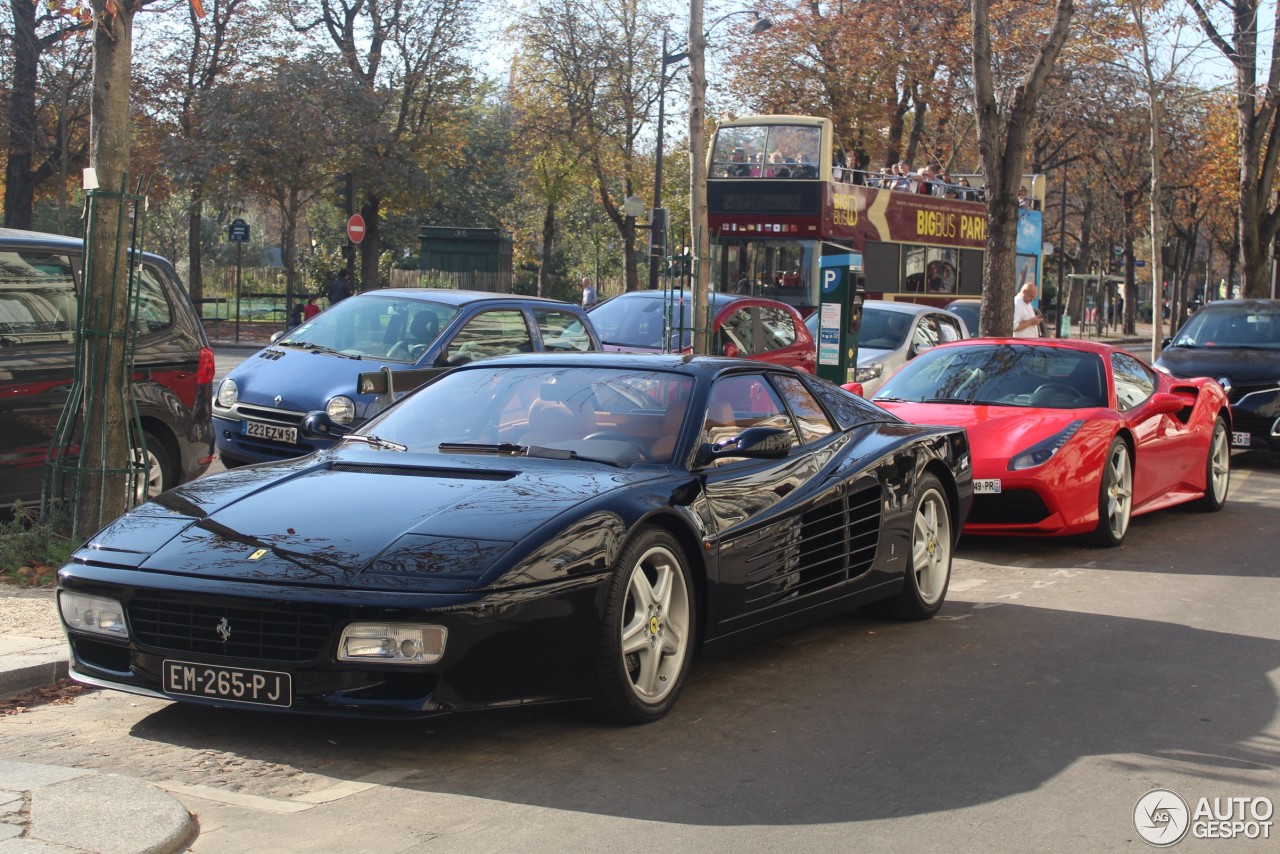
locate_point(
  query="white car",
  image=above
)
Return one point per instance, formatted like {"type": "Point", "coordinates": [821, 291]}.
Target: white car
{"type": "Point", "coordinates": [893, 333]}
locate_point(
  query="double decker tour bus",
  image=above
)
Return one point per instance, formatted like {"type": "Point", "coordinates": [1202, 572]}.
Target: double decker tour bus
{"type": "Point", "coordinates": [786, 210]}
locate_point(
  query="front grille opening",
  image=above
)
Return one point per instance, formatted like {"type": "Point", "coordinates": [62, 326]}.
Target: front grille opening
{"type": "Point", "coordinates": [251, 633]}
{"type": "Point", "coordinates": [1013, 507]}
{"type": "Point", "coordinates": [102, 656]}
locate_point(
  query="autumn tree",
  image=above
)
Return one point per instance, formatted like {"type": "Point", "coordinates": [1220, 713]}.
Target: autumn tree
{"type": "Point", "coordinates": [41, 32]}
{"type": "Point", "coordinates": [1005, 118]}
{"type": "Point", "coordinates": [184, 56]}
{"type": "Point", "coordinates": [410, 58]}
{"type": "Point", "coordinates": [258, 121]}
{"type": "Point", "coordinates": [598, 64]}
{"type": "Point", "coordinates": [1257, 131]}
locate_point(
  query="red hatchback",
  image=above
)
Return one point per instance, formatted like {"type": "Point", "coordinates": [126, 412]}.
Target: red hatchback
{"type": "Point", "coordinates": [746, 327]}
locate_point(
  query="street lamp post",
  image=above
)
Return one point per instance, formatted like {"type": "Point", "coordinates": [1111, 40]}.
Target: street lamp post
{"type": "Point", "coordinates": [699, 239]}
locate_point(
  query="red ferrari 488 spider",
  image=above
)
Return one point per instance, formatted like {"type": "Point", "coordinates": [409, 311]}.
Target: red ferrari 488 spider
{"type": "Point", "coordinates": [1070, 437]}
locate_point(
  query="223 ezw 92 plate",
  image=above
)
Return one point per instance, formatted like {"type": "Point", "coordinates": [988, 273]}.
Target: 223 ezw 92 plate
{"type": "Point", "coordinates": [234, 684]}
{"type": "Point", "coordinates": [986, 487]}
{"type": "Point", "coordinates": [272, 432]}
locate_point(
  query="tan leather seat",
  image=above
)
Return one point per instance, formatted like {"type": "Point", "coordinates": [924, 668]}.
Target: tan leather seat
{"type": "Point", "coordinates": [553, 421]}
{"type": "Point", "coordinates": [665, 445]}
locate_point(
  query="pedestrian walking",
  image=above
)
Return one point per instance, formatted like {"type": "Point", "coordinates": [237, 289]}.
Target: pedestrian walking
{"type": "Point", "coordinates": [341, 287]}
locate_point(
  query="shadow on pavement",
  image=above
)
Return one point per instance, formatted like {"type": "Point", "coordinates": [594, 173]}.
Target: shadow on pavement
{"type": "Point", "coordinates": [850, 720]}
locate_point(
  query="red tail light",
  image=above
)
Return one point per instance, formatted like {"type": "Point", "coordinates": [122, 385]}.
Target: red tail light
{"type": "Point", "coordinates": [205, 367]}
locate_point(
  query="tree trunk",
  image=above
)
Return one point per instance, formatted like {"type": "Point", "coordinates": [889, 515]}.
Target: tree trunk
{"type": "Point", "coordinates": [19, 189]}
{"type": "Point", "coordinates": [548, 250]}
{"type": "Point", "coordinates": [369, 247]}
{"type": "Point", "coordinates": [1002, 143]}
{"type": "Point", "coordinates": [195, 244]}
{"type": "Point", "coordinates": [104, 448]}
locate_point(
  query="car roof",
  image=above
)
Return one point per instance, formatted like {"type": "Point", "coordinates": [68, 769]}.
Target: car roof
{"type": "Point", "coordinates": [1225, 305]}
{"type": "Point", "coordinates": [1101, 348]}
{"type": "Point", "coordinates": [903, 307]}
{"type": "Point", "coordinates": [718, 298]}
{"type": "Point", "coordinates": [697, 365]}
{"type": "Point", "coordinates": [459, 297]}
{"type": "Point", "coordinates": [21, 238]}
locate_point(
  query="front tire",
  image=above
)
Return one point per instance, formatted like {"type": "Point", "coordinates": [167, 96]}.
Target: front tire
{"type": "Point", "coordinates": [1217, 475]}
{"type": "Point", "coordinates": [925, 585]}
{"type": "Point", "coordinates": [648, 631]}
{"type": "Point", "coordinates": [1115, 496]}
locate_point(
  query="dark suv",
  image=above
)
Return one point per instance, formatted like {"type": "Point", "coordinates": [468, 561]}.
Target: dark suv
{"type": "Point", "coordinates": [40, 276]}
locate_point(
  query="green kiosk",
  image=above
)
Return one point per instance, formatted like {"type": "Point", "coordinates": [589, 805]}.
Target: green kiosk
{"type": "Point", "coordinates": [841, 291]}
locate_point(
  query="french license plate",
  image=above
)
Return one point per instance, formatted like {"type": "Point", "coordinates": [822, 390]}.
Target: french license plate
{"type": "Point", "coordinates": [273, 432]}
{"type": "Point", "coordinates": [261, 687]}
{"type": "Point", "coordinates": [1241, 440]}
{"type": "Point", "coordinates": [986, 487]}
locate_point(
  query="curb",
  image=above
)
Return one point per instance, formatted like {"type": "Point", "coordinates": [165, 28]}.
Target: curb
{"type": "Point", "coordinates": [26, 677]}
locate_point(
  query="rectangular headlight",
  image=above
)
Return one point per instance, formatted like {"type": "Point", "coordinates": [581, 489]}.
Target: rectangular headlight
{"type": "Point", "coordinates": [94, 614]}
{"type": "Point", "coordinates": [392, 643]}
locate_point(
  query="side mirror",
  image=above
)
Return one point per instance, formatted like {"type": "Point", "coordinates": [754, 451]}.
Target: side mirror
{"type": "Point", "coordinates": [856, 388]}
{"type": "Point", "coordinates": [1165, 342]}
{"type": "Point", "coordinates": [276, 336]}
{"type": "Point", "coordinates": [757, 443]}
{"type": "Point", "coordinates": [318, 425]}
{"type": "Point", "coordinates": [444, 360]}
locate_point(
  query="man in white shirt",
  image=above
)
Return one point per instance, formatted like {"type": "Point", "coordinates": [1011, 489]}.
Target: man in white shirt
{"type": "Point", "coordinates": [588, 293]}
{"type": "Point", "coordinates": [1026, 320]}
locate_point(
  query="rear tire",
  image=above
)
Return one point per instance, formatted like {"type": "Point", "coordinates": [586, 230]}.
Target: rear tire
{"type": "Point", "coordinates": [648, 631]}
{"type": "Point", "coordinates": [1217, 475]}
{"type": "Point", "coordinates": [925, 587]}
{"type": "Point", "coordinates": [158, 474]}
{"type": "Point", "coordinates": [1115, 496]}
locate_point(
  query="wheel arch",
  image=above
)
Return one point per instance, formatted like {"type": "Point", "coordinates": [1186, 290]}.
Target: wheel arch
{"type": "Point", "coordinates": [939, 470]}
{"type": "Point", "coordinates": [159, 429]}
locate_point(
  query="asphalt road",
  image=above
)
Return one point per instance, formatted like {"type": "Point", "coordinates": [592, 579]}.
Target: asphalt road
{"type": "Point", "coordinates": [1058, 685]}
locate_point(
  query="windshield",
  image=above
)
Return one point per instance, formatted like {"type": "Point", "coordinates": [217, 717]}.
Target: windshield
{"type": "Point", "coordinates": [1001, 375]}
{"type": "Point", "coordinates": [392, 328]}
{"type": "Point", "coordinates": [641, 320]}
{"type": "Point", "coordinates": [1232, 328]}
{"type": "Point", "coordinates": [621, 414]}
{"type": "Point", "coordinates": [882, 329]}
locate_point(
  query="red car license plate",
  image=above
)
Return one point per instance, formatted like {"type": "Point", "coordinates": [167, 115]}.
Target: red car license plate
{"type": "Point", "coordinates": [237, 684]}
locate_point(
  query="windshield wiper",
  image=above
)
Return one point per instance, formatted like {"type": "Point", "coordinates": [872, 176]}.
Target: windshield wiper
{"type": "Point", "coordinates": [376, 443]}
{"type": "Point", "coordinates": [966, 401]}
{"type": "Point", "coordinates": [318, 348]}
{"type": "Point", "coordinates": [513, 450]}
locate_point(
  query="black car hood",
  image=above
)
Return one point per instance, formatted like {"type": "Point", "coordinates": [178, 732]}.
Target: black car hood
{"type": "Point", "coordinates": [1241, 365]}
{"type": "Point", "coordinates": [324, 523]}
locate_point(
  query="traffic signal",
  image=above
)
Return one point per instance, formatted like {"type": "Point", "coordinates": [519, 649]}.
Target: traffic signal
{"type": "Point", "coordinates": [344, 192]}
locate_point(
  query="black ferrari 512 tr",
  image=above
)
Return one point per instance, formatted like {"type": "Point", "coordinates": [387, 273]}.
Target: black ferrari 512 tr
{"type": "Point", "coordinates": [523, 529]}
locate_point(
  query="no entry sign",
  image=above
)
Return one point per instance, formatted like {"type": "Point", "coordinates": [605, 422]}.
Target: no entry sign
{"type": "Point", "coordinates": [355, 228]}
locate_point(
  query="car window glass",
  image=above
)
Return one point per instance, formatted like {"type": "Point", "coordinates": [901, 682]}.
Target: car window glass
{"type": "Point", "coordinates": [777, 327]}
{"type": "Point", "coordinates": [741, 401]}
{"type": "Point", "coordinates": [492, 333]}
{"type": "Point", "coordinates": [1134, 382]}
{"type": "Point", "coordinates": [154, 313]}
{"type": "Point", "coordinates": [37, 299]}
{"type": "Point", "coordinates": [813, 422]}
{"type": "Point", "coordinates": [926, 334]}
{"type": "Point", "coordinates": [737, 337]}
{"type": "Point", "coordinates": [949, 330]}
{"type": "Point", "coordinates": [561, 330]}
{"type": "Point", "coordinates": [375, 326]}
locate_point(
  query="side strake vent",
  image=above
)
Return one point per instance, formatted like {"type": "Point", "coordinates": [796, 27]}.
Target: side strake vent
{"type": "Point", "coordinates": [426, 471]}
{"type": "Point", "coordinates": [838, 540]}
